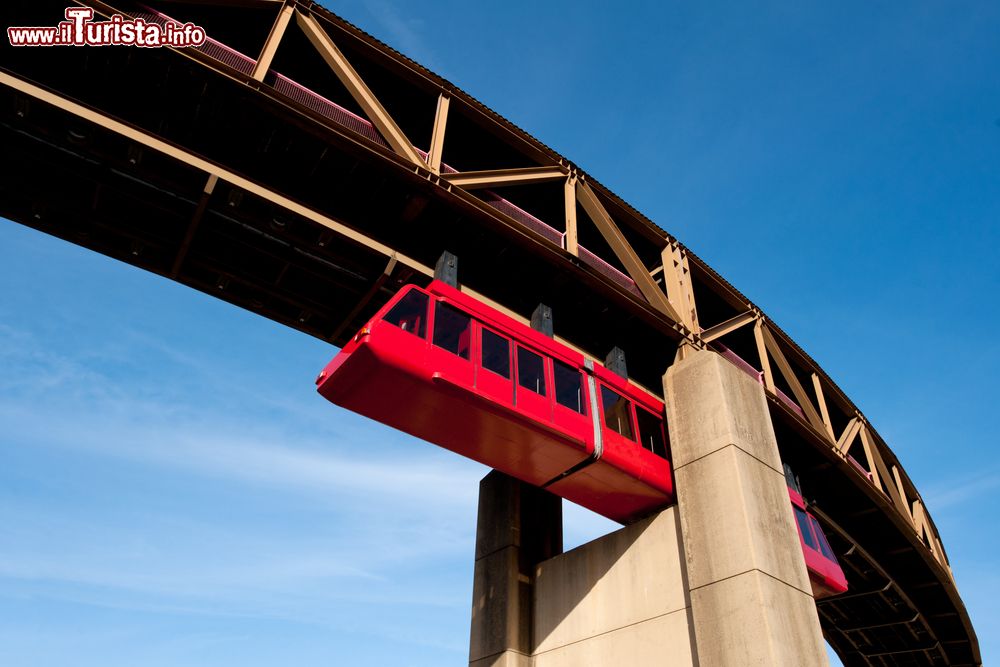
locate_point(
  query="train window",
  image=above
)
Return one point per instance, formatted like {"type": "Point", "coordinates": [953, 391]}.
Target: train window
{"type": "Point", "coordinates": [569, 386]}
{"type": "Point", "coordinates": [807, 535]}
{"type": "Point", "coordinates": [651, 432]}
{"type": "Point", "coordinates": [530, 371]}
{"type": "Point", "coordinates": [824, 546]}
{"type": "Point", "coordinates": [617, 412]}
{"type": "Point", "coordinates": [496, 353]}
{"type": "Point", "coordinates": [410, 314]}
{"type": "Point", "coordinates": [452, 330]}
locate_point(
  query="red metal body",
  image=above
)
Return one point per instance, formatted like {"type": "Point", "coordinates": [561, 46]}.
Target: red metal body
{"type": "Point", "coordinates": [443, 391]}
{"type": "Point", "coordinates": [825, 574]}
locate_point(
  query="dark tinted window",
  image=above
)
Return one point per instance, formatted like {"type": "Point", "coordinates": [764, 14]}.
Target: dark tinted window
{"type": "Point", "coordinates": [452, 330]}
{"type": "Point", "coordinates": [651, 432]}
{"type": "Point", "coordinates": [824, 546]}
{"type": "Point", "coordinates": [530, 371]}
{"type": "Point", "coordinates": [569, 386]}
{"type": "Point", "coordinates": [496, 353]}
{"type": "Point", "coordinates": [410, 314]}
{"type": "Point", "coordinates": [807, 535]}
{"type": "Point", "coordinates": [617, 413]}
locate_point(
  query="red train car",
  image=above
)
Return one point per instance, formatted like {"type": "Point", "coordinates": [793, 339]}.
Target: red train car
{"type": "Point", "coordinates": [446, 368]}
{"type": "Point", "coordinates": [825, 574]}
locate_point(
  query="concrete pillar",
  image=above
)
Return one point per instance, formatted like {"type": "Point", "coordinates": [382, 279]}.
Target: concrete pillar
{"type": "Point", "coordinates": [519, 526]}
{"type": "Point", "coordinates": [618, 601]}
{"type": "Point", "coordinates": [751, 602]}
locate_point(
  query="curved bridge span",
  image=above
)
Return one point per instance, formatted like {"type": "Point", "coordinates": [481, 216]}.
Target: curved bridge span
{"type": "Point", "coordinates": [298, 168]}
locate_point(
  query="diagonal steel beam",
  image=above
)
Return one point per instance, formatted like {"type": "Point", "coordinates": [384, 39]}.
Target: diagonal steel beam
{"type": "Point", "coordinates": [793, 381]}
{"type": "Point", "coordinates": [848, 436]}
{"type": "Point", "coordinates": [892, 484]}
{"type": "Point", "coordinates": [824, 410]}
{"type": "Point", "coordinates": [358, 89]}
{"type": "Point", "coordinates": [199, 213]}
{"type": "Point", "coordinates": [273, 40]}
{"type": "Point", "coordinates": [368, 296]}
{"type": "Point", "coordinates": [436, 149]}
{"type": "Point", "coordinates": [870, 456]}
{"type": "Point", "coordinates": [626, 255]}
{"type": "Point", "coordinates": [730, 325]}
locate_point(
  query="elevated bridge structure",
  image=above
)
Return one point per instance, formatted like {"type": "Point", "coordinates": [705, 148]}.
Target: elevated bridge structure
{"type": "Point", "coordinates": [298, 168]}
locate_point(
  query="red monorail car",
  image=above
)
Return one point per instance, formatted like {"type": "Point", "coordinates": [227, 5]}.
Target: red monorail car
{"type": "Point", "coordinates": [444, 367]}
{"type": "Point", "coordinates": [825, 574]}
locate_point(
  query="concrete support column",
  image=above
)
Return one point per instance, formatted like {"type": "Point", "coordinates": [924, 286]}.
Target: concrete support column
{"type": "Point", "coordinates": [518, 527]}
{"type": "Point", "coordinates": [751, 602]}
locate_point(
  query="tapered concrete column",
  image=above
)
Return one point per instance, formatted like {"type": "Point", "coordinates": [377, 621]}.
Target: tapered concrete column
{"type": "Point", "coordinates": [518, 527]}
{"type": "Point", "coordinates": [750, 597]}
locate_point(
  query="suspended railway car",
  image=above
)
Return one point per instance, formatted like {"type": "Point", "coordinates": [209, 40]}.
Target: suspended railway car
{"type": "Point", "coordinates": [825, 574]}
{"type": "Point", "coordinates": [444, 367]}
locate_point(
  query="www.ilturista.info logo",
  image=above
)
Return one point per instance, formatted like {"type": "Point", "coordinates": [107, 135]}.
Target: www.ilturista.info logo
{"type": "Point", "coordinates": [80, 29]}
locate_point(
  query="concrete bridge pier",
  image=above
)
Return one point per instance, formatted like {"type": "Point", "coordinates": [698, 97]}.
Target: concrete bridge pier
{"type": "Point", "coordinates": [716, 580]}
{"type": "Point", "coordinates": [751, 602]}
{"type": "Point", "coordinates": [519, 526]}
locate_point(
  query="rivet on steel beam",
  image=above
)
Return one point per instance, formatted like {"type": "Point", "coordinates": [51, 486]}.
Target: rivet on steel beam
{"type": "Point", "coordinates": [134, 155]}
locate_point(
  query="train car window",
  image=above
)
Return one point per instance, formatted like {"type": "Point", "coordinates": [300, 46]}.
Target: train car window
{"type": "Point", "coordinates": [651, 432]}
{"type": "Point", "coordinates": [496, 353]}
{"type": "Point", "coordinates": [410, 314]}
{"type": "Point", "coordinates": [824, 546]}
{"type": "Point", "coordinates": [807, 535]}
{"type": "Point", "coordinates": [569, 386]}
{"type": "Point", "coordinates": [530, 371]}
{"type": "Point", "coordinates": [617, 413]}
{"type": "Point", "coordinates": [452, 330]}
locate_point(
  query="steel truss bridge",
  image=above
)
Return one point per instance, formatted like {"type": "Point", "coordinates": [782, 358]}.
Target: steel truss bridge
{"type": "Point", "coordinates": [297, 167]}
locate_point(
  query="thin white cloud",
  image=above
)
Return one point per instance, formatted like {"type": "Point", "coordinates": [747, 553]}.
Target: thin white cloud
{"type": "Point", "coordinates": [55, 401]}
{"type": "Point", "coordinates": [959, 491]}
{"type": "Point", "coordinates": [388, 511]}
{"type": "Point", "coordinates": [404, 32]}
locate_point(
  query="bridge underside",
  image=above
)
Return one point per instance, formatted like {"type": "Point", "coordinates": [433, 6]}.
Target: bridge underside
{"type": "Point", "coordinates": [81, 182]}
{"type": "Point", "coordinates": [185, 167]}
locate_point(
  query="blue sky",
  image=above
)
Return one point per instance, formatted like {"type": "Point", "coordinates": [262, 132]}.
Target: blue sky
{"type": "Point", "coordinates": [173, 491]}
